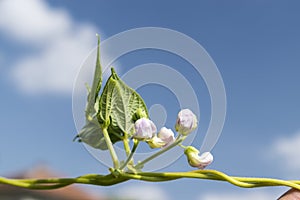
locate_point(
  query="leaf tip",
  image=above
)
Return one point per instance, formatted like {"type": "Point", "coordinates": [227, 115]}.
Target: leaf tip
{"type": "Point", "coordinates": [114, 73]}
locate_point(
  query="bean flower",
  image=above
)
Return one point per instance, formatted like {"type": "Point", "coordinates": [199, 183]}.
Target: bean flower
{"type": "Point", "coordinates": [195, 160]}
{"type": "Point", "coordinates": [156, 142]}
{"type": "Point", "coordinates": [145, 129]}
{"type": "Point", "coordinates": [166, 135]}
{"type": "Point", "coordinates": [164, 138]}
{"type": "Point", "coordinates": [186, 122]}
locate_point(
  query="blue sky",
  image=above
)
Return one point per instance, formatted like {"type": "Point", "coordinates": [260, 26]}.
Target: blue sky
{"type": "Point", "coordinates": [255, 45]}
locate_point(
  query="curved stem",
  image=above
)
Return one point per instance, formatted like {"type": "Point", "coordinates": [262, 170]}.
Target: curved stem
{"type": "Point", "coordinates": [111, 148]}
{"type": "Point", "coordinates": [178, 140]}
{"type": "Point", "coordinates": [111, 179]}
{"type": "Point", "coordinates": [54, 183]}
{"type": "Point", "coordinates": [135, 145]}
{"type": "Point", "coordinates": [245, 182]}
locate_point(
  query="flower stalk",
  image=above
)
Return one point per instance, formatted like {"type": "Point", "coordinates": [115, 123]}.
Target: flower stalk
{"type": "Point", "coordinates": [178, 140]}
{"type": "Point", "coordinates": [129, 158]}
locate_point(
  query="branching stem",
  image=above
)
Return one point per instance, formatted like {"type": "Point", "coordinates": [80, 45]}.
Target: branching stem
{"type": "Point", "coordinates": [178, 140]}
{"type": "Point", "coordinates": [135, 145]}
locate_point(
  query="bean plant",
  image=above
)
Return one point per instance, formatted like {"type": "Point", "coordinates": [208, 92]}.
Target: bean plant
{"type": "Point", "coordinates": [117, 113]}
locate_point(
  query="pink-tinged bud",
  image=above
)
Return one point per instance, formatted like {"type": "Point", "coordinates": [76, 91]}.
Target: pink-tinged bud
{"type": "Point", "coordinates": [145, 129]}
{"type": "Point", "coordinates": [156, 142]}
{"type": "Point", "coordinates": [164, 138]}
{"type": "Point", "coordinates": [195, 160]}
{"type": "Point", "coordinates": [186, 122]}
{"type": "Point", "coordinates": [166, 135]}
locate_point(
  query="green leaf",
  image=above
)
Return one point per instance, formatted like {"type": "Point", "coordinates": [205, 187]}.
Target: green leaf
{"type": "Point", "coordinates": [92, 135]}
{"type": "Point", "coordinates": [117, 107]}
{"type": "Point", "coordinates": [93, 92]}
{"type": "Point", "coordinates": [106, 101]}
{"type": "Point", "coordinates": [128, 103]}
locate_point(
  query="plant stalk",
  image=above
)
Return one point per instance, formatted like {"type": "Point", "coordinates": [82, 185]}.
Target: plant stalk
{"type": "Point", "coordinates": [111, 148]}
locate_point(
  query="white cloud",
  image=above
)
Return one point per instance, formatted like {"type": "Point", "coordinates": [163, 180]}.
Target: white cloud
{"type": "Point", "coordinates": [63, 44]}
{"type": "Point", "coordinates": [33, 20]}
{"type": "Point", "coordinates": [143, 191]}
{"type": "Point", "coordinates": [55, 68]}
{"type": "Point", "coordinates": [286, 151]}
{"type": "Point", "coordinates": [249, 195]}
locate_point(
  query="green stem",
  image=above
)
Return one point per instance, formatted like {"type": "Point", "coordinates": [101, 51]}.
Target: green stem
{"type": "Point", "coordinates": [178, 140]}
{"type": "Point", "coordinates": [110, 179]}
{"type": "Point", "coordinates": [111, 148]}
{"type": "Point", "coordinates": [54, 183]}
{"type": "Point", "coordinates": [126, 144]}
{"type": "Point", "coordinates": [245, 182]}
{"type": "Point", "coordinates": [20, 183]}
{"type": "Point", "coordinates": [135, 145]}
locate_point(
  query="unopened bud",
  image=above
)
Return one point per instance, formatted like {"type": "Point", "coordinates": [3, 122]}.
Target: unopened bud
{"type": "Point", "coordinates": [195, 160]}
{"type": "Point", "coordinates": [164, 138]}
{"type": "Point", "coordinates": [156, 142]}
{"type": "Point", "coordinates": [166, 135]}
{"type": "Point", "coordinates": [186, 122]}
{"type": "Point", "coordinates": [145, 129]}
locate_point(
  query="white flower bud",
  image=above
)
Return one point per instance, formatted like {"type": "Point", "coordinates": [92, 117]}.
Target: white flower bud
{"type": "Point", "coordinates": [186, 122]}
{"type": "Point", "coordinates": [145, 129]}
{"type": "Point", "coordinates": [166, 135]}
{"type": "Point", "coordinates": [195, 160]}
{"type": "Point", "coordinates": [164, 138]}
{"type": "Point", "coordinates": [156, 142]}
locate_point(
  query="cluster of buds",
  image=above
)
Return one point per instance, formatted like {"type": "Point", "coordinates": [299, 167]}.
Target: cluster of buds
{"type": "Point", "coordinates": [145, 130]}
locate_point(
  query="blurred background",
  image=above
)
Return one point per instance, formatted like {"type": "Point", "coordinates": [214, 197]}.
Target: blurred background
{"type": "Point", "coordinates": [255, 45]}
